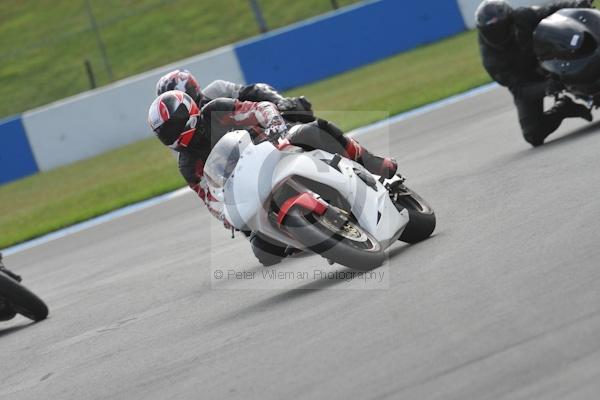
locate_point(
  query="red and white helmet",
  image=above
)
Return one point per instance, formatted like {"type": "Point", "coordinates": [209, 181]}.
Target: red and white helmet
{"type": "Point", "coordinates": [168, 116]}
{"type": "Point", "coordinates": [180, 79]}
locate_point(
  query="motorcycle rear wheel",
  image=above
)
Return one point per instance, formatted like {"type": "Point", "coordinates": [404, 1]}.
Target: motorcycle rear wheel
{"type": "Point", "coordinates": [351, 246]}
{"type": "Point", "coordinates": [22, 299]}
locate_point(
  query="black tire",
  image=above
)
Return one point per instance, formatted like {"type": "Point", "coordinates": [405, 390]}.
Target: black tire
{"type": "Point", "coordinates": [265, 250]}
{"type": "Point", "coordinates": [319, 237]}
{"type": "Point", "coordinates": [21, 299]}
{"type": "Point", "coordinates": [421, 223]}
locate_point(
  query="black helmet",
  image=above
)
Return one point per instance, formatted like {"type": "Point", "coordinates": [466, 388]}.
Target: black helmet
{"type": "Point", "coordinates": [168, 115]}
{"type": "Point", "coordinates": [494, 21]}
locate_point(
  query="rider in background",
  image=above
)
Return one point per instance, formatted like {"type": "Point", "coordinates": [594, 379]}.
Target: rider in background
{"type": "Point", "coordinates": [506, 46]}
{"type": "Point", "coordinates": [293, 109]}
{"type": "Point", "coordinates": [179, 124]}
{"type": "Point", "coordinates": [7, 312]}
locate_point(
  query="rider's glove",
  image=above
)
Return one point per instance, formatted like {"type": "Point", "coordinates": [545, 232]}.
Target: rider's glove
{"type": "Point", "coordinates": [286, 104]}
{"type": "Point", "coordinates": [303, 103]}
{"type": "Point", "coordinates": [294, 104]}
{"type": "Point", "coordinates": [296, 109]}
{"type": "Point", "coordinates": [276, 131]}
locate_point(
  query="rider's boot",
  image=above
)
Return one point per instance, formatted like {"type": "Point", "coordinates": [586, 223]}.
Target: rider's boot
{"type": "Point", "coordinates": [8, 272]}
{"type": "Point", "coordinates": [567, 108]}
{"type": "Point", "coordinates": [564, 107]}
{"type": "Point", "coordinates": [383, 166]}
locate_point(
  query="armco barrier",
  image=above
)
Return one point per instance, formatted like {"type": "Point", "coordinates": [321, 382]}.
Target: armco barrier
{"type": "Point", "coordinates": [328, 45]}
{"type": "Point", "coordinates": [94, 122]}
{"type": "Point", "coordinates": [16, 158]}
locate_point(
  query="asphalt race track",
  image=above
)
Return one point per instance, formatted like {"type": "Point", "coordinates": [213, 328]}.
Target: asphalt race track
{"type": "Point", "coordinates": [503, 302]}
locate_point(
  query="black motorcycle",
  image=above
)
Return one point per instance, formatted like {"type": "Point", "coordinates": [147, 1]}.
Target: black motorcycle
{"type": "Point", "coordinates": [16, 298]}
{"type": "Point", "coordinates": [567, 45]}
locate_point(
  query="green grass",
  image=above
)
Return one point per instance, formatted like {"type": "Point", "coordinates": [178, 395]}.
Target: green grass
{"type": "Point", "coordinates": [48, 201]}
{"type": "Point", "coordinates": [43, 43]}
{"type": "Point", "coordinates": [51, 200]}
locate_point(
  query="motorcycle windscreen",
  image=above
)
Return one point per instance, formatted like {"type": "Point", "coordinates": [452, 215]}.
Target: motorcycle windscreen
{"type": "Point", "coordinates": [559, 37]}
{"type": "Point", "coordinates": [222, 161]}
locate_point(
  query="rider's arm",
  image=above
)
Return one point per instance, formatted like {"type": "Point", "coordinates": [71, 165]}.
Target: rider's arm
{"type": "Point", "coordinates": [221, 88]}
{"type": "Point", "coordinates": [498, 66]}
{"type": "Point", "coordinates": [518, 84]}
{"type": "Point", "coordinates": [260, 117]}
{"type": "Point", "coordinates": [255, 92]}
{"type": "Point", "coordinates": [258, 92]}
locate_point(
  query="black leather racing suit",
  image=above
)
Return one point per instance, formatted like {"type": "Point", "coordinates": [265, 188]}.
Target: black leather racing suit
{"type": "Point", "coordinates": [293, 109]}
{"type": "Point", "coordinates": [516, 67]}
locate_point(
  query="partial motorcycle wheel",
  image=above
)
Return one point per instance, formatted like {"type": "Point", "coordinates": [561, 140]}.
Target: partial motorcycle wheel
{"type": "Point", "coordinates": [421, 223]}
{"type": "Point", "coordinates": [349, 245]}
{"type": "Point", "coordinates": [22, 300]}
{"type": "Point", "coordinates": [265, 250]}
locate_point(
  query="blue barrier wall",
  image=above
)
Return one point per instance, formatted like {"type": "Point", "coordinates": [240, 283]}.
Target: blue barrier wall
{"type": "Point", "coordinates": [338, 42]}
{"type": "Point", "coordinates": [16, 158]}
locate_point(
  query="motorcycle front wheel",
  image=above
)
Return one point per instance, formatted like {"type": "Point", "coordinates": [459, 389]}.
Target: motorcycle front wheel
{"type": "Point", "coordinates": [349, 245]}
{"type": "Point", "coordinates": [21, 299]}
{"type": "Point", "coordinates": [421, 223]}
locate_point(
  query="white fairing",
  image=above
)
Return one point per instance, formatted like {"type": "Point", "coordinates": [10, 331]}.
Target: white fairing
{"type": "Point", "coordinates": [246, 189]}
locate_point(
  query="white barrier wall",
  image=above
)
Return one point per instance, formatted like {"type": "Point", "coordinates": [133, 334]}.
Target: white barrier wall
{"type": "Point", "coordinates": [468, 7]}
{"type": "Point", "coordinates": [103, 119]}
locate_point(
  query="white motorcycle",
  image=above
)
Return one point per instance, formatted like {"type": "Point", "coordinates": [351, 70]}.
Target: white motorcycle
{"type": "Point", "coordinates": [314, 200]}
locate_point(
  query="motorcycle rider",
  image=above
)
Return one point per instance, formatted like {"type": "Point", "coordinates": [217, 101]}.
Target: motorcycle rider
{"type": "Point", "coordinates": [179, 124]}
{"type": "Point", "coordinates": [506, 47]}
{"type": "Point", "coordinates": [294, 109]}
{"type": "Point", "coordinates": [6, 311]}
